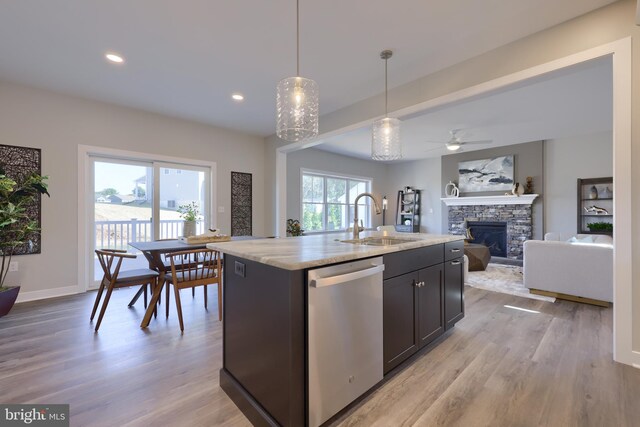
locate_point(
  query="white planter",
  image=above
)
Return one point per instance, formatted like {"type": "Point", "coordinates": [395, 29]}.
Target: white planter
{"type": "Point", "coordinates": [189, 228]}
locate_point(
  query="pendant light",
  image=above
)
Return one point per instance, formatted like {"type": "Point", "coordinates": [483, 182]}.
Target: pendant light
{"type": "Point", "coordinates": [297, 101]}
{"type": "Point", "coordinates": [385, 138]}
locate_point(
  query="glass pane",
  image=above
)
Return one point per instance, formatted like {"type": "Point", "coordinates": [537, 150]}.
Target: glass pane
{"type": "Point", "coordinates": [181, 188]}
{"type": "Point", "coordinates": [307, 188]}
{"type": "Point", "coordinates": [336, 190]}
{"type": "Point", "coordinates": [312, 188]}
{"type": "Point", "coordinates": [122, 195]}
{"type": "Point", "coordinates": [355, 188]}
{"type": "Point", "coordinates": [122, 205]}
{"type": "Point", "coordinates": [336, 216]}
{"type": "Point", "coordinates": [312, 216]}
{"type": "Point", "coordinates": [363, 214]}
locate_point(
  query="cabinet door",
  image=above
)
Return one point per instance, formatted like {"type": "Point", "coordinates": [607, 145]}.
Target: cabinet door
{"type": "Point", "coordinates": [430, 301]}
{"type": "Point", "coordinates": [400, 331]}
{"type": "Point", "coordinates": [453, 292]}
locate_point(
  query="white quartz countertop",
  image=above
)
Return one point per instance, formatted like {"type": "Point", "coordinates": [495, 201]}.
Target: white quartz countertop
{"type": "Point", "coordinates": [298, 253]}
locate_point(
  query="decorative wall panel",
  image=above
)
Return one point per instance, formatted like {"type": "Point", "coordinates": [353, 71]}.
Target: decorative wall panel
{"type": "Point", "coordinates": [241, 204]}
{"type": "Point", "coordinates": [18, 163]}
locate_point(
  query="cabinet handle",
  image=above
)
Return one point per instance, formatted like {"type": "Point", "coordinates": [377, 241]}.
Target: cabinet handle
{"type": "Point", "coordinates": [457, 262]}
{"type": "Point", "coordinates": [455, 250]}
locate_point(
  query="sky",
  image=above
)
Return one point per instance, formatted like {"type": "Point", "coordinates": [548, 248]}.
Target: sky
{"type": "Point", "coordinates": [118, 176]}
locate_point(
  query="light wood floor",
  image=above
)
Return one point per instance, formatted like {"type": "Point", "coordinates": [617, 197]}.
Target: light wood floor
{"type": "Point", "coordinates": [499, 367]}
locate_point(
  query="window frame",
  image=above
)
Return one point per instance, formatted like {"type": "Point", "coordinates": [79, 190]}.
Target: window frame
{"type": "Point", "coordinates": [367, 219]}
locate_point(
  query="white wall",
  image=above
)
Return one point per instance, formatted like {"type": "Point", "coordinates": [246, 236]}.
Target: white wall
{"type": "Point", "coordinates": [423, 175]}
{"type": "Point", "coordinates": [58, 124]}
{"type": "Point", "coordinates": [566, 160]}
{"type": "Point", "coordinates": [312, 158]}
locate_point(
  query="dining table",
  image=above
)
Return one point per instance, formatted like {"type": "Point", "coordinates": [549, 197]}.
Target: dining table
{"type": "Point", "coordinates": [153, 252]}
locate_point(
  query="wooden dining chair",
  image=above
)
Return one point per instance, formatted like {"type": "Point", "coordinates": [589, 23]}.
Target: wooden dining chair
{"type": "Point", "coordinates": [199, 267]}
{"type": "Point", "coordinates": [111, 261]}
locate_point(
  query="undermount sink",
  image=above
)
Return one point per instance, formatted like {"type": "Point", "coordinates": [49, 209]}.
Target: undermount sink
{"type": "Point", "coordinates": [379, 241]}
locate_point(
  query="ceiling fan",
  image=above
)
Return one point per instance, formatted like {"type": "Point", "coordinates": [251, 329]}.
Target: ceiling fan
{"type": "Point", "coordinates": [455, 143]}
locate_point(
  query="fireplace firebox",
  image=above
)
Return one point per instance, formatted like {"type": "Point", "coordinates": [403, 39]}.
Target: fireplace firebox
{"type": "Point", "coordinates": [491, 234]}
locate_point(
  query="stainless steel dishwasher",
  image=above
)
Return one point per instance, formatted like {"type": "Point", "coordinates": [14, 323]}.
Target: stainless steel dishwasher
{"type": "Point", "coordinates": [345, 335]}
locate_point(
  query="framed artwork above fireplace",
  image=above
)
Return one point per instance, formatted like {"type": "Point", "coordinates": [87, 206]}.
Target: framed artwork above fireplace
{"type": "Point", "coordinates": [495, 174]}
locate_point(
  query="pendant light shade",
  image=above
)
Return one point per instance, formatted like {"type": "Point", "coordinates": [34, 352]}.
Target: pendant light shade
{"type": "Point", "coordinates": [297, 101]}
{"type": "Point", "coordinates": [385, 143]}
{"type": "Point", "coordinates": [297, 105]}
{"type": "Point", "coordinates": [385, 137]}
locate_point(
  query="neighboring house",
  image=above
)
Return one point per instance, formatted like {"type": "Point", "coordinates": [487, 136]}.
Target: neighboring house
{"type": "Point", "coordinates": [121, 199]}
{"type": "Point", "coordinates": [103, 199]}
{"type": "Point", "coordinates": [178, 187]}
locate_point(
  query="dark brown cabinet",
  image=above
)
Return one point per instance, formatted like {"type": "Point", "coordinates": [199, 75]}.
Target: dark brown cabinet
{"type": "Point", "coordinates": [453, 292]}
{"type": "Point", "coordinates": [400, 328]}
{"type": "Point", "coordinates": [430, 296]}
{"type": "Point", "coordinates": [413, 303]}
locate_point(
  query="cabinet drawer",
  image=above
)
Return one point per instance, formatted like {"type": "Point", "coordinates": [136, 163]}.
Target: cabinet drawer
{"type": "Point", "coordinates": [402, 262]}
{"type": "Point", "coordinates": [453, 250]}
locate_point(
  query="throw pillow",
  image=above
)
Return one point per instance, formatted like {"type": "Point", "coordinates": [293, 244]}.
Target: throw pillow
{"type": "Point", "coordinates": [584, 239]}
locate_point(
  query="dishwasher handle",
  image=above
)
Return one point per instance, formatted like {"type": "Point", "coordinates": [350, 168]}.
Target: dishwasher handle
{"type": "Point", "coordinates": [347, 277]}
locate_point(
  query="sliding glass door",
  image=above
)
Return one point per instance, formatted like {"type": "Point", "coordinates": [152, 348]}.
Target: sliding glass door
{"type": "Point", "coordinates": [136, 201]}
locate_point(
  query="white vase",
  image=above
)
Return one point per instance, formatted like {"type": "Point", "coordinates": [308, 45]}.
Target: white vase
{"type": "Point", "coordinates": [451, 190]}
{"type": "Point", "coordinates": [189, 228]}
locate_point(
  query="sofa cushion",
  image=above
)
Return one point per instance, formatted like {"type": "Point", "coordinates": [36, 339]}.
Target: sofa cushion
{"type": "Point", "coordinates": [581, 239]}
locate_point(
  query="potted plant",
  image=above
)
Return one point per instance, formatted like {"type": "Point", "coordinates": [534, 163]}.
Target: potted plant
{"type": "Point", "coordinates": [605, 227]}
{"type": "Point", "coordinates": [189, 213]}
{"type": "Point", "coordinates": [293, 228]}
{"type": "Point", "coordinates": [17, 229]}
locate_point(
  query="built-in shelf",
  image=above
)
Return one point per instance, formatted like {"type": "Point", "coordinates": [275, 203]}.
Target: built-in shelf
{"type": "Point", "coordinates": [525, 199]}
{"type": "Point", "coordinates": [586, 188]}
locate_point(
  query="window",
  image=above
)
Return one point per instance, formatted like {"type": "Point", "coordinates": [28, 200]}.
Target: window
{"type": "Point", "coordinates": [327, 201]}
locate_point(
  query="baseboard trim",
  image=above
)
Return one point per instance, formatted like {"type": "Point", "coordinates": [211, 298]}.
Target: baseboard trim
{"type": "Point", "coordinates": [568, 297]}
{"type": "Point", "coordinates": [46, 293]}
{"type": "Point", "coordinates": [250, 407]}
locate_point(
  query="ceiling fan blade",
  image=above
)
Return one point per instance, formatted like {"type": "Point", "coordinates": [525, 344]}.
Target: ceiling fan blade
{"type": "Point", "coordinates": [432, 149]}
{"type": "Point", "coordinates": [484, 141]}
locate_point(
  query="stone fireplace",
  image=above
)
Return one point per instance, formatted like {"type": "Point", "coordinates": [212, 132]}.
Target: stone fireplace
{"type": "Point", "coordinates": [509, 219]}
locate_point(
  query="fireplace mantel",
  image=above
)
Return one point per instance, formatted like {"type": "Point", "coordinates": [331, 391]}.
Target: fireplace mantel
{"type": "Point", "coordinates": [525, 199]}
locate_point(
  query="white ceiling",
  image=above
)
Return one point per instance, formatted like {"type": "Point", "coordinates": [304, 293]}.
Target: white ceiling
{"type": "Point", "coordinates": [185, 58]}
{"type": "Point", "coordinates": [572, 102]}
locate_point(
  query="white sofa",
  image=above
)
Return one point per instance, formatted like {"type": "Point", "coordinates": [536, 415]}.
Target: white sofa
{"type": "Point", "coordinates": [581, 267]}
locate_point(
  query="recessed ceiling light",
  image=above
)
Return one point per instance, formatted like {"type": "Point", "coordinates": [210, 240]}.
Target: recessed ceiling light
{"type": "Point", "coordinates": [237, 97]}
{"type": "Point", "coordinates": [114, 57]}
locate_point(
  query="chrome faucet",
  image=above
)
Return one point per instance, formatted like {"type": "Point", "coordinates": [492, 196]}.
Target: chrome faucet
{"type": "Point", "coordinates": [356, 227]}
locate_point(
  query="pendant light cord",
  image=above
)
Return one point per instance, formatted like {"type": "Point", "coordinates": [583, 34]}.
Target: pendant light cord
{"type": "Point", "coordinates": [386, 92]}
{"type": "Point", "coordinates": [298, 38]}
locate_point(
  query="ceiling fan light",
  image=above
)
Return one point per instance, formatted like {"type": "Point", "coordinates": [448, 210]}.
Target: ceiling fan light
{"type": "Point", "coordinates": [297, 105]}
{"type": "Point", "coordinates": [453, 146]}
{"type": "Point", "coordinates": [385, 140]}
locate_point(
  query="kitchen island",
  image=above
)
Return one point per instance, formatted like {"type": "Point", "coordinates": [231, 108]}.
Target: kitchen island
{"type": "Point", "coordinates": [277, 323]}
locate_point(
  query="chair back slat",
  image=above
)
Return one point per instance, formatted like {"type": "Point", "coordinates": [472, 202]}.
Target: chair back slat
{"type": "Point", "coordinates": [195, 267]}
{"type": "Point", "coordinates": [107, 257]}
